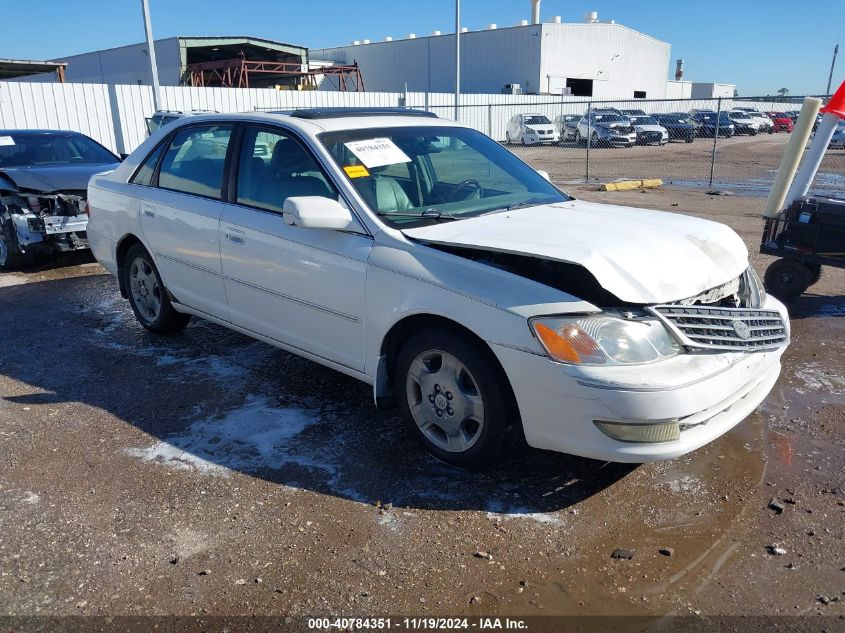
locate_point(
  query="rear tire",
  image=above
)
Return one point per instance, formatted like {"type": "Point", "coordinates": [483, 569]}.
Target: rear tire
{"type": "Point", "coordinates": [147, 294]}
{"type": "Point", "coordinates": [455, 398]}
{"type": "Point", "coordinates": [787, 279]}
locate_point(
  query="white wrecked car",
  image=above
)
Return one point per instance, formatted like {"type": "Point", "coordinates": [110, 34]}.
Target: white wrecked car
{"type": "Point", "coordinates": [423, 258]}
{"type": "Point", "coordinates": [531, 129]}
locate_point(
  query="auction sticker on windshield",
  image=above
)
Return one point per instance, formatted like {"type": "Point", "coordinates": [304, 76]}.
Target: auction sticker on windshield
{"type": "Point", "coordinates": [6, 140]}
{"type": "Point", "coordinates": [377, 152]}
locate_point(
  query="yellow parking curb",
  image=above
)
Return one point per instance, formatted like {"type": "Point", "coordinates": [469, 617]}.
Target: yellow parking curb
{"type": "Point", "coordinates": [626, 185]}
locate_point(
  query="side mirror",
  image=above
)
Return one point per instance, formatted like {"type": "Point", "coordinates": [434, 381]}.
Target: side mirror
{"type": "Point", "coordinates": [316, 212]}
{"type": "Point", "coordinates": [544, 174]}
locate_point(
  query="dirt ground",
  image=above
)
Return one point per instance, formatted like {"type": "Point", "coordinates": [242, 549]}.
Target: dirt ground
{"type": "Point", "coordinates": [209, 474]}
{"type": "Point", "coordinates": [742, 162]}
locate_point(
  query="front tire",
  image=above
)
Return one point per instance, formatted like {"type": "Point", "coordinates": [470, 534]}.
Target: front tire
{"type": "Point", "coordinates": [11, 258]}
{"type": "Point", "coordinates": [455, 398]}
{"type": "Point", "coordinates": [148, 295]}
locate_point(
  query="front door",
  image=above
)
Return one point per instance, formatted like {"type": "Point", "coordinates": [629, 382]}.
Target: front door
{"type": "Point", "coordinates": [302, 287]}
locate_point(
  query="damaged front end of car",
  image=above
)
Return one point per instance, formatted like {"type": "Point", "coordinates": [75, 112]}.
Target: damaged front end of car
{"type": "Point", "coordinates": [34, 223]}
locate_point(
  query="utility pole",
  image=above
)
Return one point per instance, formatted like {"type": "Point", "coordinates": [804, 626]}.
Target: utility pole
{"type": "Point", "coordinates": [832, 64]}
{"type": "Point", "coordinates": [151, 51]}
{"type": "Point", "coordinates": [457, 57]}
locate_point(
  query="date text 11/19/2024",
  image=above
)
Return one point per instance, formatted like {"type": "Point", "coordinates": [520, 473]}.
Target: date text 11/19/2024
{"type": "Point", "coordinates": [426, 623]}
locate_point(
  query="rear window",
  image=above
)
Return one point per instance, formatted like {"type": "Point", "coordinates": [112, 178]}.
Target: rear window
{"type": "Point", "coordinates": [39, 148]}
{"type": "Point", "coordinates": [193, 162]}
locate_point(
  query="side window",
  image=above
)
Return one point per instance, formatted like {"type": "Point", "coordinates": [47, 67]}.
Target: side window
{"type": "Point", "coordinates": [193, 163]}
{"type": "Point", "coordinates": [144, 175]}
{"type": "Point", "coordinates": [274, 167]}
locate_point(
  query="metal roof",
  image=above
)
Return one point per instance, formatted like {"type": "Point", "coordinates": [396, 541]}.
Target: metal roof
{"type": "Point", "coordinates": [14, 68]}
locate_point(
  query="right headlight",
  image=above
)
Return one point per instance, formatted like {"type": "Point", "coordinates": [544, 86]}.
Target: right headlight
{"type": "Point", "coordinates": [605, 340]}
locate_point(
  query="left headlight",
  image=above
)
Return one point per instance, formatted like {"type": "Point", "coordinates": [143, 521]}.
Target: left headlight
{"type": "Point", "coordinates": [605, 340]}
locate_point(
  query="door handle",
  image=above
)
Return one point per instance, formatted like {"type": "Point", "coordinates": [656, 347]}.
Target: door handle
{"type": "Point", "coordinates": [235, 236]}
{"type": "Point", "coordinates": [149, 210]}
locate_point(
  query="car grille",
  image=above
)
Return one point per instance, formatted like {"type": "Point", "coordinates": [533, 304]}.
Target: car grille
{"type": "Point", "coordinates": [622, 130]}
{"type": "Point", "coordinates": [725, 328]}
{"type": "Point", "coordinates": [650, 137]}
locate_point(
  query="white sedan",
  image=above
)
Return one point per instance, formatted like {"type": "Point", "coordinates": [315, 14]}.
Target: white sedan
{"type": "Point", "coordinates": [425, 259]}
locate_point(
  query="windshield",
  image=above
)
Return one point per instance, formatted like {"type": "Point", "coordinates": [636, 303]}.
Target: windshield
{"type": "Point", "coordinates": [24, 149]}
{"type": "Point", "coordinates": [644, 120]}
{"type": "Point", "coordinates": [536, 119]}
{"type": "Point", "coordinates": [671, 120]}
{"type": "Point", "coordinates": [418, 175]}
{"type": "Point", "coordinates": [740, 116]}
{"type": "Point", "coordinates": [609, 118]}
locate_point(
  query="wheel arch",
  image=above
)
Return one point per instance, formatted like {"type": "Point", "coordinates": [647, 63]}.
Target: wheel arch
{"type": "Point", "coordinates": [123, 245]}
{"type": "Point", "coordinates": [406, 327]}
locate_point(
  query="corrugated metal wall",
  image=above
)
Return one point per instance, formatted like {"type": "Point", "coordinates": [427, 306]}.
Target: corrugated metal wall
{"type": "Point", "coordinates": [114, 115]}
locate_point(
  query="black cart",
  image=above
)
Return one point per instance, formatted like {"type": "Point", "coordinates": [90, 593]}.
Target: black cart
{"type": "Point", "coordinates": [809, 234]}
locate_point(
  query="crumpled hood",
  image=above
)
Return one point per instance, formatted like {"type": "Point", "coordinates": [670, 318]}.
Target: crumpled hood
{"type": "Point", "coordinates": [52, 178]}
{"type": "Point", "coordinates": [610, 126]}
{"type": "Point", "coordinates": [648, 128]}
{"type": "Point", "coordinates": [641, 256]}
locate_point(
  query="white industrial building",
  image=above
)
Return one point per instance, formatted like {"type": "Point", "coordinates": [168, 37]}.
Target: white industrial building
{"type": "Point", "coordinates": [603, 60]}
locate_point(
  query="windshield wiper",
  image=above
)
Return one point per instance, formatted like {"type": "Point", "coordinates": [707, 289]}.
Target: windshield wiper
{"type": "Point", "coordinates": [437, 215]}
{"type": "Point", "coordinates": [515, 205]}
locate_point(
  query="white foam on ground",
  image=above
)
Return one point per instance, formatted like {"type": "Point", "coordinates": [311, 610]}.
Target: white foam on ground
{"type": "Point", "coordinates": [250, 438]}
{"type": "Point", "coordinates": [683, 484]}
{"type": "Point", "coordinates": [498, 512]}
{"type": "Point", "coordinates": [817, 378]}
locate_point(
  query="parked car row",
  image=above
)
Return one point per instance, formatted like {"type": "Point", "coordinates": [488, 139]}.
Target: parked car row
{"type": "Point", "coordinates": [610, 127]}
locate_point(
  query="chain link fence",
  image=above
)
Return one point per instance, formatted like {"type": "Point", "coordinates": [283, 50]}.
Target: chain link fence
{"type": "Point", "coordinates": [711, 143]}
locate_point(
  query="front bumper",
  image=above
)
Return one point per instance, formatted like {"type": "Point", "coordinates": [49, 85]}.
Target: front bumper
{"type": "Point", "coordinates": [707, 393]}
{"type": "Point", "coordinates": [538, 139]}
{"type": "Point", "coordinates": [620, 141]}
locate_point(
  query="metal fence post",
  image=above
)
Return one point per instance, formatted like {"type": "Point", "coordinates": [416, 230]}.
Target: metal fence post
{"type": "Point", "coordinates": [490, 120]}
{"type": "Point", "coordinates": [589, 132]}
{"type": "Point", "coordinates": [715, 138]}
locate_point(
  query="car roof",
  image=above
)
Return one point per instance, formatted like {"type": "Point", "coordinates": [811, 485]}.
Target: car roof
{"type": "Point", "coordinates": [336, 121]}
{"type": "Point", "coordinates": [33, 132]}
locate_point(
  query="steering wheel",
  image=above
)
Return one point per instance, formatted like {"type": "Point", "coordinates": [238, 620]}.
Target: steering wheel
{"type": "Point", "coordinates": [466, 184]}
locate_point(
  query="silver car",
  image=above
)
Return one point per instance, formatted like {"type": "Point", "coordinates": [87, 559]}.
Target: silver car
{"type": "Point", "coordinates": [605, 130]}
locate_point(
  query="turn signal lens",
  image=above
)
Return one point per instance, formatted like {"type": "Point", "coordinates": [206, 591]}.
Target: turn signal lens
{"type": "Point", "coordinates": [569, 343]}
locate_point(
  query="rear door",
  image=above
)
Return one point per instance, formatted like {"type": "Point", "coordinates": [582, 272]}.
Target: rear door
{"type": "Point", "coordinates": [180, 216]}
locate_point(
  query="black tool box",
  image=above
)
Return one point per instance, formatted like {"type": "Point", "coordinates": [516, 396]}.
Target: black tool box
{"type": "Point", "coordinates": [809, 234]}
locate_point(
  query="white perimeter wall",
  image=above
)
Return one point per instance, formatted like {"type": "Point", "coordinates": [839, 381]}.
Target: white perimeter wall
{"type": "Point", "coordinates": [114, 115]}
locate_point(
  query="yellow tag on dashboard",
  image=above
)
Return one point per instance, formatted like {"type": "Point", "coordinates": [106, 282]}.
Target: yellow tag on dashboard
{"type": "Point", "coordinates": [356, 171]}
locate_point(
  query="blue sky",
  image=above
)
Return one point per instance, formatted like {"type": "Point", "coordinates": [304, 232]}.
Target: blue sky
{"type": "Point", "coordinates": [760, 46]}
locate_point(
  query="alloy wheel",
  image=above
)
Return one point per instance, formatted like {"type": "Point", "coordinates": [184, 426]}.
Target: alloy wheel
{"type": "Point", "coordinates": [145, 289]}
{"type": "Point", "coordinates": [445, 401]}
